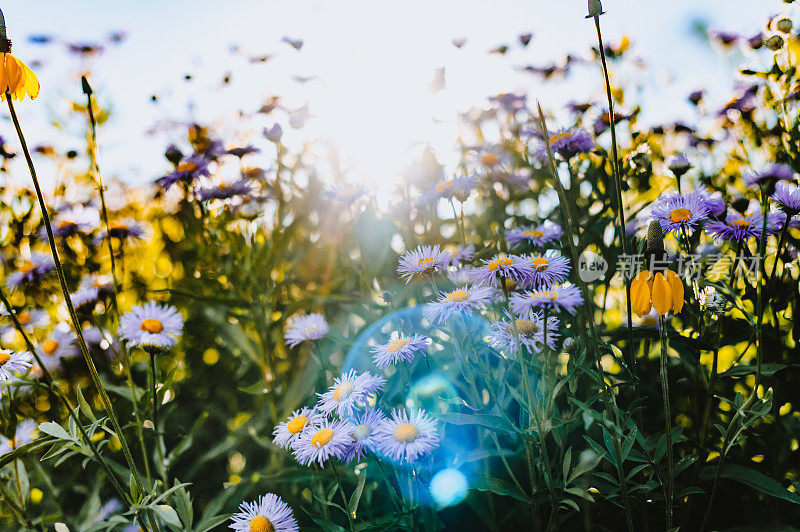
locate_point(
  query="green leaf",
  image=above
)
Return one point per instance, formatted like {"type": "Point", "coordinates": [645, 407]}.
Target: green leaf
{"type": "Point", "coordinates": [55, 430]}
{"type": "Point", "coordinates": [84, 406]}
{"type": "Point", "coordinates": [499, 487]}
{"type": "Point", "coordinates": [356, 496]}
{"type": "Point", "coordinates": [169, 515]}
{"type": "Point", "coordinates": [752, 478]}
{"type": "Point", "coordinates": [768, 370]}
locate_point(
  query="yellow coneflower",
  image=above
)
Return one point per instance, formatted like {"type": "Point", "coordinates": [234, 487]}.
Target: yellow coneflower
{"type": "Point", "coordinates": [656, 291]}
{"type": "Point", "coordinates": [16, 79]}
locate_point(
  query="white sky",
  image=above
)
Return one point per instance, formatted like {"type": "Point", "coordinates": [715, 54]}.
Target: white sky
{"type": "Point", "coordinates": [373, 59]}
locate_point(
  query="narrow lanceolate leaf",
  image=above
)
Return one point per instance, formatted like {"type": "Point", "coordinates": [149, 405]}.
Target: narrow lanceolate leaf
{"type": "Point", "coordinates": [752, 478]}
{"type": "Point", "coordinates": [356, 497]}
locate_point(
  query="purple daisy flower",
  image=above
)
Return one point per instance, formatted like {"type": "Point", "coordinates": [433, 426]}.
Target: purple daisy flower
{"type": "Point", "coordinates": [365, 426]}
{"type": "Point", "coordinates": [242, 151]}
{"type": "Point", "coordinates": [305, 328]}
{"type": "Point", "coordinates": [30, 271]}
{"type": "Point", "coordinates": [273, 133]}
{"type": "Point", "coordinates": [459, 254]}
{"type": "Point", "coordinates": [771, 174]}
{"type": "Point", "coordinates": [407, 436]}
{"type": "Point", "coordinates": [788, 197]}
{"type": "Point", "coordinates": [424, 259]}
{"type": "Point", "coordinates": [458, 187]}
{"type": "Point", "coordinates": [268, 514]}
{"type": "Point", "coordinates": [151, 325]}
{"type": "Point", "coordinates": [92, 289]}
{"type": "Point", "coordinates": [566, 143]}
{"type": "Point", "coordinates": [502, 266]}
{"type": "Point", "coordinates": [323, 441]}
{"type": "Point", "coordinates": [72, 221]}
{"type": "Point", "coordinates": [558, 297]}
{"type": "Point", "coordinates": [464, 300]}
{"type": "Point", "coordinates": [530, 333]}
{"type": "Point", "coordinates": [12, 364]}
{"type": "Point", "coordinates": [401, 348]}
{"type": "Point", "coordinates": [350, 391]}
{"type": "Point", "coordinates": [61, 344]}
{"type": "Point", "coordinates": [736, 227]}
{"type": "Point", "coordinates": [681, 212]}
{"type": "Point", "coordinates": [535, 235]}
{"type": "Point", "coordinates": [187, 171]}
{"type": "Point", "coordinates": [547, 269]}
{"type": "Point", "coordinates": [286, 433]}
{"type": "Point", "coordinates": [25, 432]}
{"type": "Point", "coordinates": [490, 159]}
{"type": "Point", "coordinates": [223, 191]}
{"type": "Point", "coordinates": [30, 319]}
{"type": "Point", "coordinates": [122, 230]}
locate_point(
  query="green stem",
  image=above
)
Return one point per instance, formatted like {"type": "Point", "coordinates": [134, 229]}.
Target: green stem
{"type": "Point", "coordinates": [667, 417]}
{"type": "Point", "coordinates": [114, 298]}
{"type": "Point", "coordinates": [350, 521]}
{"type": "Point", "coordinates": [617, 176]}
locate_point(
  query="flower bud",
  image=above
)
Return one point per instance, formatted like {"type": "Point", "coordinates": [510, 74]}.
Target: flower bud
{"type": "Point", "coordinates": [595, 8]}
{"type": "Point", "coordinates": [775, 43]}
{"type": "Point", "coordinates": [678, 164]}
{"type": "Point", "coordinates": [784, 25]}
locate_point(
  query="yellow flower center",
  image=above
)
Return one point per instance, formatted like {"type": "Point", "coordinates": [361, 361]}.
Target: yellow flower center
{"type": "Point", "coordinates": [50, 347]}
{"type": "Point", "coordinates": [64, 224]}
{"type": "Point", "coordinates": [26, 266]}
{"type": "Point", "coordinates": [533, 233]}
{"type": "Point", "coordinates": [119, 227]}
{"type": "Point", "coordinates": [446, 185]}
{"type": "Point", "coordinates": [24, 317]}
{"type": "Point", "coordinates": [458, 295]}
{"type": "Point", "coordinates": [740, 224]}
{"type": "Point", "coordinates": [4, 357]}
{"type": "Point", "coordinates": [397, 344]}
{"type": "Point", "coordinates": [342, 391]}
{"type": "Point", "coordinates": [187, 167]}
{"type": "Point", "coordinates": [297, 424]}
{"type": "Point", "coordinates": [424, 262]}
{"type": "Point", "coordinates": [539, 264]}
{"type": "Point", "coordinates": [500, 261]}
{"type": "Point", "coordinates": [261, 524]}
{"type": "Point", "coordinates": [551, 295]}
{"type": "Point", "coordinates": [680, 215]}
{"type": "Point", "coordinates": [490, 159]}
{"type": "Point", "coordinates": [406, 433]}
{"type": "Point", "coordinates": [526, 328]}
{"type": "Point", "coordinates": [322, 437]}
{"type": "Point", "coordinates": [151, 325]}
{"type": "Point", "coordinates": [558, 136]}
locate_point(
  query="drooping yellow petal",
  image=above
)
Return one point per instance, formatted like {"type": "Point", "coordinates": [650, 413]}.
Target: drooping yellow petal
{"type": "Point", "coordinates": [16, 79]}
{"type": "Point", "coordinates": [640, 294]}
{"type": "Point", "coordinates": [676, 284]}
{"type": "Point", "coordinates": [662, 294]}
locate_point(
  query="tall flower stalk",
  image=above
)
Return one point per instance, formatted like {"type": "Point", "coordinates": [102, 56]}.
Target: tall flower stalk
{"type": "Point", "coordinates": [595, 10]}
{"type": "Point", "coordinates": [664, 377]}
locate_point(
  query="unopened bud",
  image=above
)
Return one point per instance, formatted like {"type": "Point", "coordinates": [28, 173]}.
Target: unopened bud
{"type": "Point", "coordinates": [655, 238]}
{"type": "Point", "coordinates": [595, 8]}
{"type": "Point", "coordinates": [678, 164]}
{"type": "Point", "coordinates": [775, 43]}
{"type": "Point", "coordinates": [784, 25]}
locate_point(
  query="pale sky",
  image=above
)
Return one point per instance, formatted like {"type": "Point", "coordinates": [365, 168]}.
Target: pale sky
{"type": "Point", "coordinates": [373, 61]}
